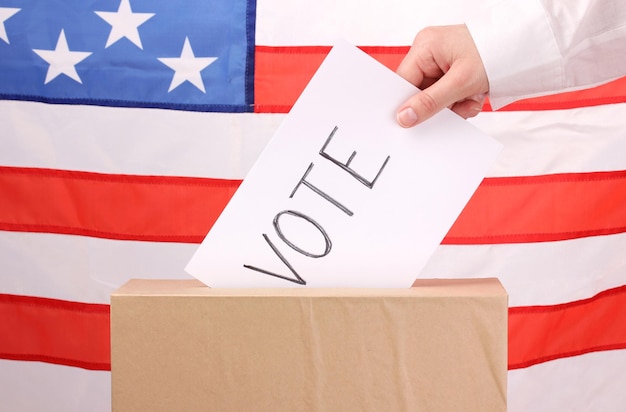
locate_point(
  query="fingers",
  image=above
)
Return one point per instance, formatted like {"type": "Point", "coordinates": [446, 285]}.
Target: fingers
{"type": "Point", "coordinates": [420, 66]}
{"type": "Point", "coordinates": [469, 107]}
{"type": "Point", "coordinates": [409, 69]}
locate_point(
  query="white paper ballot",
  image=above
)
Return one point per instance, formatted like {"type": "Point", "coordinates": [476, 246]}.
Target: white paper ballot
{"type": "Point", "coordinates": [342, 196]}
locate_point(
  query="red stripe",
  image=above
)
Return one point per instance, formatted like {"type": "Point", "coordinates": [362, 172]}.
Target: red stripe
{"type": "Point", "coordinates": [77, 334]}
{"type": "Point", "coordinates": [149, 208]}
{"type": "Point", "coordinates": [55, 331]}
{"type": "Point", "coordinates": [178, 209]}
{"type": "Point", "coordinates": [609, 93]}
{"type": "Point", "coordinates": [281, 74]}
{"type": "Point", "coordinates": [543, 208]}
{"type": "Point", "coordinates": [539, 334]}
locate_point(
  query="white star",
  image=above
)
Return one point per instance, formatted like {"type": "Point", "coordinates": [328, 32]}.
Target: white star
{"type": "Point", "coordinates": [187, 67]}
{"type": "Point", "coordinates": [124, 23]}
{"type": "Point", "coordinates": [5, 13]}
{"type": "Point", "coordinates": [62, 60]}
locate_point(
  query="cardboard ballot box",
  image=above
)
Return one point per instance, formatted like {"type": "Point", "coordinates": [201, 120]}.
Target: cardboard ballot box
{"type": "Point", "coordinates": [178, 345]}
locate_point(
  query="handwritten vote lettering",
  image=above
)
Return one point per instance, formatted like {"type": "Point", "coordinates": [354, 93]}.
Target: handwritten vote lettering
{"type": "Point", "coordinates": [323, 196]}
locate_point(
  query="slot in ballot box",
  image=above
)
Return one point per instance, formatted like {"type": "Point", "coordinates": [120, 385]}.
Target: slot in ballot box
{"type": "Point", "coordinates": [440, 345]}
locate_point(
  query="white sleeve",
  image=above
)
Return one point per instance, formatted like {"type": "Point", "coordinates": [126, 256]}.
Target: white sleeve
{"type": "Point", "coordinates": [538, 47]}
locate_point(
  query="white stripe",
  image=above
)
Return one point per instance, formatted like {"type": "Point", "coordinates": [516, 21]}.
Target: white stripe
{"type": "Point", "coordinates": [132, 141]}
{"type": "Point", "coordinates": [218, 145]}
{"type": "Point", "coordinates": [37, 386]}
{"type": "Point", "coordinates": [558, 141]}
{"type": "Point", "coordinates": [593, 382]}
{"type": "Point", "coordinates": [543, 273]}
{"type": "Point", "coordinates": [83, 269]}
{"type": "Point", "coordinates": [87, 269]}
{"type": "Point", "coordinates": [281, 23]}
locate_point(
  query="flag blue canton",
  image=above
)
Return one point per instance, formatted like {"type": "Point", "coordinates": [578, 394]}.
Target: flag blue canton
{"type": "Point", "coordinates": [185, 54]}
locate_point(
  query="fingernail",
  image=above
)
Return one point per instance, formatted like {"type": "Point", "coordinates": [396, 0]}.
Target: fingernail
{"type": "Point", "coordinates": [407, 117]}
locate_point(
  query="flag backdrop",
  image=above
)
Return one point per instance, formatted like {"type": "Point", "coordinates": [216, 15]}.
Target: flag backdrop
{"type": "Point", "coordinates": [127, 125]}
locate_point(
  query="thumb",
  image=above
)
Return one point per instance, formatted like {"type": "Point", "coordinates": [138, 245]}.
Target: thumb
{"type": "Point", "coordinates": [423, 105]}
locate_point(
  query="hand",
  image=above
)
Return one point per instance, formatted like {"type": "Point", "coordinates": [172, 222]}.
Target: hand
{"type": "Point", "coordinates": [444, 62]}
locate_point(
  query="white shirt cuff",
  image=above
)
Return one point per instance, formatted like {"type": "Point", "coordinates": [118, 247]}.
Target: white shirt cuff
{"type": "Point", "coordinates": [518, 49]}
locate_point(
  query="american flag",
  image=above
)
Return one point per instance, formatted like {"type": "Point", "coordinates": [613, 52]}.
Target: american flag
{"type": "Point", "coordinates": [127, 125]}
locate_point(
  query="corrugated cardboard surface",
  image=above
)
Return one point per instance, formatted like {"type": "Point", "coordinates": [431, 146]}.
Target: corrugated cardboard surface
{"type": "Point", "coordinates": [181, 346]}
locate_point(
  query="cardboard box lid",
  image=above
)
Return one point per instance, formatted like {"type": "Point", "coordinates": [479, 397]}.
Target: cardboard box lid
{"type": "Point", "coordinates": [421, 288]}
